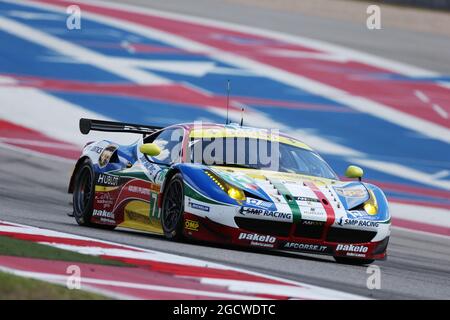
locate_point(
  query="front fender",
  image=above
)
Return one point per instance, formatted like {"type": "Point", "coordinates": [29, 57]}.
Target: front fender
{"type": "Point", "coordinates": [383, 213]}
{"type": "Point", "coordinates": [200, 186]}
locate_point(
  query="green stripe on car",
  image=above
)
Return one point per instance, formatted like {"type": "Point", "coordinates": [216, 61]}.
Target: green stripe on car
{"type": "Point", "coordinates": [296, 214]}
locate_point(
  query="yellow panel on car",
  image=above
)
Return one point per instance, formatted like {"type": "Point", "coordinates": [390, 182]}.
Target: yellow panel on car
{"type": "Point", "coordinates": [136, 216]}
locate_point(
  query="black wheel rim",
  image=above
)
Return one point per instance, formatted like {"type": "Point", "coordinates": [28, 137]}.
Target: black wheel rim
{"type": "Point", "coordinates": [173, 205]}
{"type": "Point", "coordinates": [83, 192]}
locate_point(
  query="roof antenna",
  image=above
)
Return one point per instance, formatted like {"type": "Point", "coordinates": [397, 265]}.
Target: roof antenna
{"type": "Point", "coordinates": [242, 116]}
{"type": "Point", "coordinates": [228, 98]}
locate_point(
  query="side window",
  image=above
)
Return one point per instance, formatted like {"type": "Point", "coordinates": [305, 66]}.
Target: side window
{"type": "Point", "coordinates": [170, 142]}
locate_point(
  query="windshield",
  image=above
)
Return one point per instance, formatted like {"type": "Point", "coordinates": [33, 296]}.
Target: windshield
{"type": "Point", "coordinates": [258, 154]}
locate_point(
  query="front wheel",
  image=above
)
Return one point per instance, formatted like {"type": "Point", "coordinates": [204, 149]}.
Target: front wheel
{"type": "Point", "coordinates": [353, 261]}
{"type": "Point", "coordinates": [173, 209]}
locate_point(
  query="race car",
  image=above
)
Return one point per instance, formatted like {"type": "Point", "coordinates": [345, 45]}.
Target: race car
{"type": "Point", "coordinates": [229, 184]}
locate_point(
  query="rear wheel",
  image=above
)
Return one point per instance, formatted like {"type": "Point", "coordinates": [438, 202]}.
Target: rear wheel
{"type": "Point", "coordinates": [173, 209]}
{"type": "Point", "coordinates": [353, 261]}
{"type": "Point", "coordinates": [83, 196]}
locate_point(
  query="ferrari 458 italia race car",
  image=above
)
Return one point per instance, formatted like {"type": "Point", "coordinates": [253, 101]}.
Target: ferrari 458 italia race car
{"type": "Point", "coordinates": [211, 183]}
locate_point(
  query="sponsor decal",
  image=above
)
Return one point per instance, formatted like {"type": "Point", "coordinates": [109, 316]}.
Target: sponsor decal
{"type": "Point", "coordinates": [106, 155]}
{"type": "Point", "coordinates": [155, 187]}
{"type": "Point", "coordinates": [259, 203]}
{"type": "Point", "coordinates": [103, 214]}
{"type": "Point", "coordinates": [350, 248]}
{"type": "Point", "coordinates": [152, 169]}
{"type": "Point", "coordinates": [305, 246]}
{"type": "Point", "coordinates": [261, 244]}
{"type": "Point", "coordinates": [96, 149]}
{"type": "Point", "coordinates": [160, 176]}
{"type": "Point", "coordinates": [191, 225]}
{"type": "Point", "coordinates": [105, 200]}
{"type": "Point", "coordinates": [359, 255]}
{"type": "Point", "coordinates": [312, 223]}
{"type": "Point", "coordinates": [311, 211]}
{"type": "Point", "coordinates": [266, 213]}
{"type": "Point", "coordinates": [139, 190]}
{"type": "Point", "coordinates": [198, 206]}
{"type": "Point", "coordinates": [355, 214]}
{"type": "Point", "coordinates": [106, 179]}
{"type": "Point", "coordinates": [257, 237]}
{"type": "Point", "coordinates": [307, 199]}
{"type": "Point", "coordinates": [359, 223]}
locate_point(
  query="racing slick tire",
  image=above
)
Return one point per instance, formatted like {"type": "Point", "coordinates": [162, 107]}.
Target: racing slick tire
{"type": "Point", "coordinates": [83, 196]}
{"type": "Point", "coordinates": [353, 261]}
{"type": "Point", "coordinates": [172, 210]}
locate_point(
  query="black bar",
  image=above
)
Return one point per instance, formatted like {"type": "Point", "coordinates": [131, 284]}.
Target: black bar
{"type": "Point", "coordinates": [86, 125]}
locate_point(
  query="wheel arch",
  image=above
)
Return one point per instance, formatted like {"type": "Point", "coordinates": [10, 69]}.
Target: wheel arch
{"type": "Point", "coordinates": [172, 172]}
{"type": "Point", "coordinates": [75, 169]}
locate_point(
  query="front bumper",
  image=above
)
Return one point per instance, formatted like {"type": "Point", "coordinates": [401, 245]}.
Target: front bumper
{"type": "Point", "coordinates": [333, 241]}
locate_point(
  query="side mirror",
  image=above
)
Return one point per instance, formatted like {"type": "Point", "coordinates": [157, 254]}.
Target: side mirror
{"type": "Point", "coordinates": [150, 149]}
{"type": "Point", "coordinates": [354, 172]}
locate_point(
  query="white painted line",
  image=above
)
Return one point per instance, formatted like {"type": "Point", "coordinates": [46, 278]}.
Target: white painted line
{"type": "Point", "coordinates": [62, 281]}
{"type": "Point", "coordinates": [403, 172]}
{"type": "Point", "coordinates": [423, 233]}
{"type": "Point", "coordinates": [440, 111]}
{"type": "Point", "coordinates": [7, 81]}
{"type": "Point", "coordinates": [190, 68]}
{"type": "Point", "coordinates": [54, 117]}
{"type": "Point", "coordinates": [306, 55]}
{"type": "Point", "coordinates": [79, 53]}
{"type": "Point", "coordinates": [250, 287]}
{"type": "Point", "coordinates": [440, 174]}
{"type": "Point", "coordinates": [34, 15]}
{"type": "Point", "coordinates": [32, 153]}
{"type": "Point", "coordinates": [129, 285]}
{"type": "Point", "coordinates": [433, 216]}
{"type": "Point", "coordinates": [422, 96]}
{"type": "Point", "coordinates": [437, 108]}
{"type": "Point", "coordinates": [37, 143]}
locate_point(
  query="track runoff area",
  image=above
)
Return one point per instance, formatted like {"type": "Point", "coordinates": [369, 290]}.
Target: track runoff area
{"type": "Point", "coordinates": [141, 65]}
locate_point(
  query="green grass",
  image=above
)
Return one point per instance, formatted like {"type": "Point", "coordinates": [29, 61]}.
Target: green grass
{"type": "Point", "coordinates": [22, 248]}
{"type": "Point", "coordinates": [17, 288]}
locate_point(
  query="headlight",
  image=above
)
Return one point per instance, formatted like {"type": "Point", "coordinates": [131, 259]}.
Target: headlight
{"type": "Point", "coordinates": [371, 205]}
{"type": "Point", "coordinates": [236, 194]}
{"type": "Point", "coordinates": [233, 192]}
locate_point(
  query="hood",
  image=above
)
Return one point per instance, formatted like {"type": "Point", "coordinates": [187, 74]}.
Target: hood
{"type": "Point", "coordinates": [279, 187]}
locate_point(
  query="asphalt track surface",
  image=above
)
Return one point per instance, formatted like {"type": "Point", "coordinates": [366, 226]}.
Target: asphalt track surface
{"type": "Point", "coordinates": [33, 189]}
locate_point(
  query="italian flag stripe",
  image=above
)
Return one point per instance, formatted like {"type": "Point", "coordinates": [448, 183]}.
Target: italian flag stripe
{"type": "Point", "coordinates": [296, 214]}
{"type": "Point", "coordinates": [331, 216]}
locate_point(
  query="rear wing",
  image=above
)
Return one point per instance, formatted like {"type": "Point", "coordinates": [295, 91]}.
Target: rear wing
{"type": "Point", "coordinates": [86, 125]}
